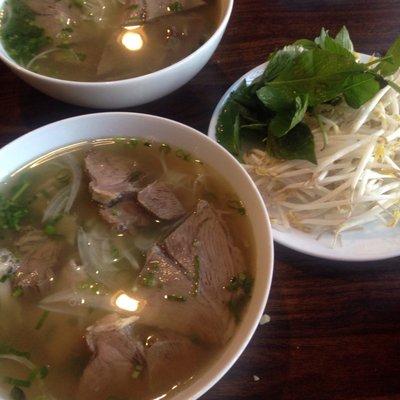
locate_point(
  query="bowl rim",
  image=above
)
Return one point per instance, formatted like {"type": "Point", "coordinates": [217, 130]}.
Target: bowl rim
{"type": "Point", "coordinates": [263, 237]}
{"type": "Point", "coordinates": [11, 63]}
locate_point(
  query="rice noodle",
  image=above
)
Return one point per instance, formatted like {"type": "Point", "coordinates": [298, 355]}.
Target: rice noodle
{"type": "Point", "coordinates": [356, 180]}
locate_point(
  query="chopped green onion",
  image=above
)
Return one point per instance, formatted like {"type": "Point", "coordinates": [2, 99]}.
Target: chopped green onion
{"type": "Point", "coordinates": [17, 382]}
{"type": "Point", "coordinates": [17, 292]}
{"type": "Point", "coordinates": [42, 319]}
{"type": "Point", "coordinates": [183, 154]}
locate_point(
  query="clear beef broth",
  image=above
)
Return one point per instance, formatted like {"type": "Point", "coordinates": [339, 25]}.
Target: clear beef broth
{"type": "Point", "coordinates": [55, 332]}
{"type": "Point", "coordinates": [91, 41]}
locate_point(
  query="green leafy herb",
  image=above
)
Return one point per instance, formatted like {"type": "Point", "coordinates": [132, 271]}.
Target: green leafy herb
{"type": "Point", "coordinates": [297, 79]}
{"type": "Point", "coordinates": [17, 394]}
{"type": "Point", "coordinates": [22, 38]}
{"type": "Point", "coordinates": [391, 65]}
{"type": "Point", "coordinates": [176, 6]}
{"type": "Point", "coordinates": [42, 320]}
{"type": "Point", "coordinates": [298, 144]}
{"type": "Point", "coordinates": [241, 285]}
{"type": "Point", "coordinates": [50, 228]}
{"type": "Point", "coordinates": [13, 209]}
{"type": "Point", "coordinates": [17, 382]}
{"type": "Point", "coordinates": [7, 349]}
{"type": "Point", "coordinates": [5, 277]}
{"type": "Point", "coordinates": [17, 292]}
{"type": "Point", "coordinates": [241, 281]}
{"type": "Point", "coordinates": [183, 154]}
{"type": "Point", "coordinates": [174, 297]}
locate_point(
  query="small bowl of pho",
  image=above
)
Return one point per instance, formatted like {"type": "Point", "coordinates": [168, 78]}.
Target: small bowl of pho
{"type": "Point", "coordinates": [110, 54]}
{"type": "Point", "coordinates": [131, 266]}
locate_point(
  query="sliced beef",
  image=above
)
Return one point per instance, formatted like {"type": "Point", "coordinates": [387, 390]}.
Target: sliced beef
{"type": "Point", "coordinates": [184, 278]}
{"type": "Point", "coordinates": [40, 257]}
{"type": "Point", "coordinates": [126, 215]}
{"type": "Point", "coordinates": [120, 348]}
{"type": "Point", "coordinates": [171, 357]}
{"type": "Point", "coordinates": [111, 176]}
{"type": "Point", "coordinates": [161, 201]}
{"type": "Point", "coordinates": [115, 354]}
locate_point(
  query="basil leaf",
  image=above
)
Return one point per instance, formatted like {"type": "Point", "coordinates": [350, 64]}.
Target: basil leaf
{"type": "Point", "coordinates": [284, 121]}
{"type": "Point", "coordinates": [335, 47]}
{"type": "Point", "coordinates": [275, 98]}
{"type": "Point", "coordinates": [343, 38]}
{"type": "Point", "coordinates": [298, 144]}
{"type": "Point", "coordinates": [390, 66]}
{"type": "Point", "coordinates": [318, 73]}
{"type": "Point", "coordinates": [305, 44]}
{"type": "Point", "coordinates": [360, 88]}
{"type": "Point", "coordinates": [279, 61]}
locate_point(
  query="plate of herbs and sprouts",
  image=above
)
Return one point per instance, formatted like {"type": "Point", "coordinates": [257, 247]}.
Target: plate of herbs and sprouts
{"type": "Point", "coordinates": [317, 127]}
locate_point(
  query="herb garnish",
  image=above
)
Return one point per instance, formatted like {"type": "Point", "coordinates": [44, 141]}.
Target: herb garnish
{"type": "Point", "coordinates": [7, 349]}
{"type": "Point", "coordinates": [298, 78]}
{"type": "Point", "coordinates": [176, 6]}
{"type": "Point", "coordinates": [21, 37]}
{"type": "Point", "coordinates": [42, 319]}
{"type": "Point", "coordinates": [241, 281]}
{"type": "Point", "coordinates": [241, 285]}
{"type": "Point", "coordinates": [13, 209]}
{"type": "Point", "coordinates": [17, 292]}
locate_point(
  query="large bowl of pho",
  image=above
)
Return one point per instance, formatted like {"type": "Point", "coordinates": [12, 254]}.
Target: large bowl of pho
{"type": "Point", "coordinates": [110, 54]}
{"type": "Point", "coordinates": [134, 266]}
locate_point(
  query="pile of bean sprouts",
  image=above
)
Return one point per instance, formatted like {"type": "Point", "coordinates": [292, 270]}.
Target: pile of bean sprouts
{"type": "Point", "coordinates": [356, 180]}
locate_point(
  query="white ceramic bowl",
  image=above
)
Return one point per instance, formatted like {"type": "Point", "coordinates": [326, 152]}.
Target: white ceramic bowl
{"type": "Point", "coordinates": [127, 92]}
{"type": "Point", "coordinates": [79, 129]}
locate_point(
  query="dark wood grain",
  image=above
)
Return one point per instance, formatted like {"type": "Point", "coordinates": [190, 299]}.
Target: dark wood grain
{"type": "Point", "coordinates": [335, 327]}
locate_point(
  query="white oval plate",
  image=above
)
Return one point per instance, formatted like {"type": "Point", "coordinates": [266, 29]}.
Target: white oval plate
{"type": "Point", "coordinates": [375, 242]}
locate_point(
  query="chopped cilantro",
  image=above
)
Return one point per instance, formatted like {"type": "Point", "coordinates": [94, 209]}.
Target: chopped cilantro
{"type": "Point", "coordinates": [17, 292]}
{"type": "Point", "coordinates": [22, 38]}
{"type": "Point", "coordinates": [176, 6]}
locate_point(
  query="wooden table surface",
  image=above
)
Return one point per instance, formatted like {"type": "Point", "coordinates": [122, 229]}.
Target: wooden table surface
{"type": "Point", "coordinates": [334, 330]}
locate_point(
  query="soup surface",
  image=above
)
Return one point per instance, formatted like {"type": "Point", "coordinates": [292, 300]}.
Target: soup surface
{"type": "Point", "coordinates": [104, 40]}
{"type": "Point", "coordinates": [125, 267]}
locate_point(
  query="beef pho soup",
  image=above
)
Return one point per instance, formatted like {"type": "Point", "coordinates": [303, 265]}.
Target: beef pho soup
{"type": "Point", "coordinates": [104, 40]}
{"type": "Point", "coordinates": [125, 268]}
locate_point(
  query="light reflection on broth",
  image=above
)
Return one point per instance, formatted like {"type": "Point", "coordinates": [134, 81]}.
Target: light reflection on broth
{"type": "Point", "coordinates": [110, 285]}
{"type": "Point", "coordinates": [88, 40]}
